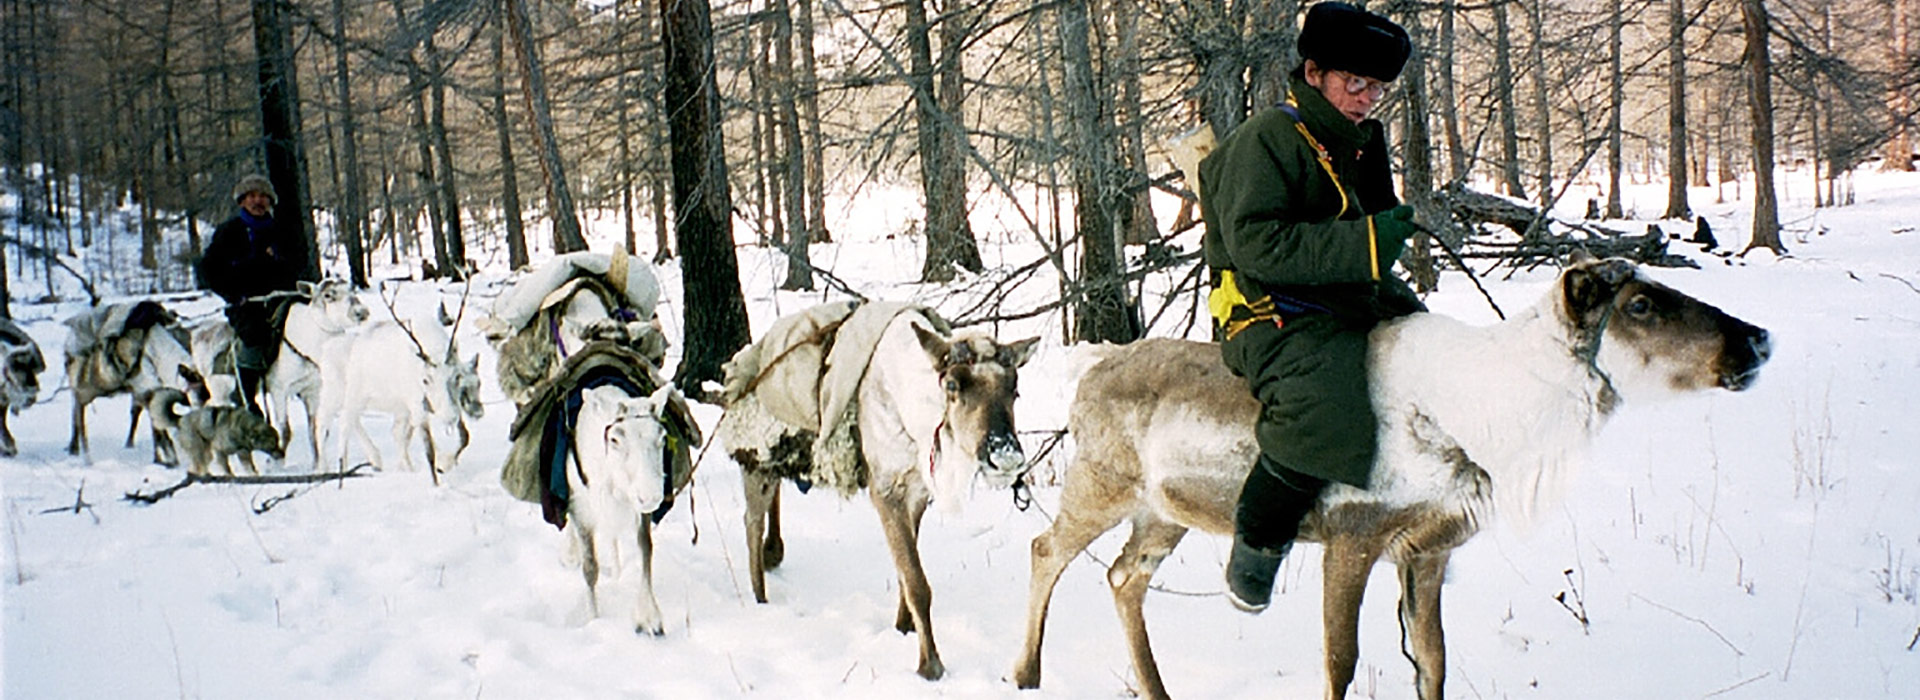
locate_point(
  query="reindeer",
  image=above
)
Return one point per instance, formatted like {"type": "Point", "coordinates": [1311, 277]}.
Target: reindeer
{"type": "Point", "coordinates": [419, 380]}
{"type": "Point", "coordinates": [21, 363]}
{"type": "Point", "coordinates": [120, 348]}
{"type": "Point", "coordinates": [1469, 418]}
{"type": "Point", "coordinates": [933, 413]}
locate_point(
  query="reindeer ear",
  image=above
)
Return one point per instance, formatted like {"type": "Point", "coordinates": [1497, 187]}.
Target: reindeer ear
{"type": "Point", "coordinates": [1017, 353]}
{"type": "Point", "coordinates": [445, 318]}
{"type": "Point", "coordinates": [307, 288]}
{"type": "Point", "coordinates": [935, 344]}
{"type": "Point", "coordinates": [1591, 285]}
{"type": "Point", "coordinates": [1579, 256]}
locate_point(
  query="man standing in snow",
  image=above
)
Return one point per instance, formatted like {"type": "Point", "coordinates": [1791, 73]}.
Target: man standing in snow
{"type": "Point", "coordinates": [1303, 228]}
{"type": "Point", "coordinates": [251, 257]}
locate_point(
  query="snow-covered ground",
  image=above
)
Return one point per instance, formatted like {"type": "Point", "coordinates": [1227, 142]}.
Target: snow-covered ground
{"type": "Point", "coordinates": [1755, 545]}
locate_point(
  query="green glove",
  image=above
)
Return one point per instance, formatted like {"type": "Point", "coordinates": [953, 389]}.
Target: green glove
{"type": "Point", "coordinates": [1391, 229]}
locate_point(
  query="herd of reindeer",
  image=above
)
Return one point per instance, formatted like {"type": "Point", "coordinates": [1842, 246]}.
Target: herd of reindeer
{"type": "Point", "coordinates": [888, 398]}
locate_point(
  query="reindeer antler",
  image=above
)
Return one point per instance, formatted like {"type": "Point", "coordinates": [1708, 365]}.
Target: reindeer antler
{"type": "Point", "coordinates": [418, 348]}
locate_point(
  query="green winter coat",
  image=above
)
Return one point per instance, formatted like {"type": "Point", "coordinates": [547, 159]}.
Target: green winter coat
{"type": "Point", "coordinates": [1289, 230]}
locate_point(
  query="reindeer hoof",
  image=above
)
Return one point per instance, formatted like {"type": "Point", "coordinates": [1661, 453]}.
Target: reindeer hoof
{"type": "Point", "coordinates": [775, 552]}
{"type": "Point", "coordinates": [932, 669]}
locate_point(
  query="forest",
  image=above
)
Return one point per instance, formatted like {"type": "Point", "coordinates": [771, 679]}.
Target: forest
{"type": "Point", "coordinates": [429, 138]}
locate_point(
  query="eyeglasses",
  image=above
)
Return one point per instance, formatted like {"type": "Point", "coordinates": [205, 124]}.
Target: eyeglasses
{"type": "Point", "coordinates": [1357, 84]}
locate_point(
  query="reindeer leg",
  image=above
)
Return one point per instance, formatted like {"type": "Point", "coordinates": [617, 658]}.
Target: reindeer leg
{"type": "Point", "coordinates": [776, 546]}
{"type": "Point", "coordinates": [133, 420]}
{"type": "Point", "coordinates": [1084, 516]}
{"type": "Point", "coordinates": [900, 513]}
{"type": "Point", "coordinates": [589, 561]}
{"type": "Point", "coordinates": [7, 446]}
{"type": "Point", "coordinates": [1347, 562]}
{"type": "Point", "coordinates": [1420, 580]}
{"type": "Point", "coordinates": [1149, 545]}
{"type": "Point", "coordinates": [762, 490]}
{"type": "Point", "coordinates": [77, 442]}
{"type": "Point", "coordinates": [646, 611]}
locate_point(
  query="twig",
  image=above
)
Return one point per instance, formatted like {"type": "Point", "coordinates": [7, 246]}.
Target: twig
{"type": "Point", "coordinates": [254, 480]}
{"type": "Point", "coordinates": [1464, 267]}
{"type": "Point", "coordinates": [1896, 278]}
{"type": "Point", "coordinates": [79, 504]}
{"type": "Point", "coordinates": [1579, 605]}
{"type": "Point", "coordinates": [1915, 640]}
{"type": "Point", "coordinates": [1694, 620]}
{"type": "Point", "coordinates": [1737, 686]}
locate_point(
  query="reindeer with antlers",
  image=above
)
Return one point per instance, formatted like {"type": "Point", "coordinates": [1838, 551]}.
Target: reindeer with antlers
{"type": "Point", "coordinates": [419, 380]}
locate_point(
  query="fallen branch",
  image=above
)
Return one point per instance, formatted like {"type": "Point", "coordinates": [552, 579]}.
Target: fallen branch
{"type": "Point", "coordinates": [254, 480]}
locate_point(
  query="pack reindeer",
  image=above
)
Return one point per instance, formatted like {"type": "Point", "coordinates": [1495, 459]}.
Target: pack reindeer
{"type": "Point", "coordinates": [123, 348]}
{"type": "Point", "coordinates": [419, 380]}
{"type": "Point", "coordinates": [1471, 419]}
{"type": "Point", "coordinates": [21, 363]}
{"type": "Point", "coordinates": [934, 413]}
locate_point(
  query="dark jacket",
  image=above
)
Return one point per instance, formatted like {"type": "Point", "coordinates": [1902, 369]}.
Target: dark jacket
{"type": "Point", "coordinates": [242, 261]}
{"type": "Point", "coordinates": [1276, 217]}
{"type": "Point", "coordinates": [1296, 231]}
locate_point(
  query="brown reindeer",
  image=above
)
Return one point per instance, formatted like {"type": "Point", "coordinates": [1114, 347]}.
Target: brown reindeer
{"type": "Point", "coordinates": [1470, 418]}
{"type": "Point", "coordinates": [934, 413]}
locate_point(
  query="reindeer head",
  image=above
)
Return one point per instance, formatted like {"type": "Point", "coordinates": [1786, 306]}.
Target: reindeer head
{"type": "Point", "coordinates": [1650, 339]}
{"type": "Point", "coordinates": [23, 367]}
{"type": "Point", "coordinates": [980, 379]}
{"type": "Point", "coordinates": [336, 302]}
{"type": "Point", "coordinates": [622, 441]}
{"type": "Point", "coordinates": [462, 382]}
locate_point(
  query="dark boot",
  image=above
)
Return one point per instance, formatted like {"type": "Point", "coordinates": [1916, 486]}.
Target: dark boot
{"type": "Point", "coordinates": [250, 380]}
{"type": "Point", "coordinates": [1272, 503]}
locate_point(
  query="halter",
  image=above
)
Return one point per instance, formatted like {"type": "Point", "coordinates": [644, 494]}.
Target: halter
{"type": "Point", "coordinates": [1589, 351]}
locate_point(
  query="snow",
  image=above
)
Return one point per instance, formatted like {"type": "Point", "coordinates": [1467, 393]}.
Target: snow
{"type": "Point", "coordinates": [1754, 545]}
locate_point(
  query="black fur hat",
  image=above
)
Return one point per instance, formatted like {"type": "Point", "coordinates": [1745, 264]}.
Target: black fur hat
{"type": "Point", "coordinates": [1343, 37]}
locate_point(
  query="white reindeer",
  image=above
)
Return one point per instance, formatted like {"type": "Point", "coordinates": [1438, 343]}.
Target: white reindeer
{"type": "Point", "coordinates": [616, 479]}
{"type": "Point", "coordinates": [329, 309]}
{"type": "Point", "coordinates": [408, 370]}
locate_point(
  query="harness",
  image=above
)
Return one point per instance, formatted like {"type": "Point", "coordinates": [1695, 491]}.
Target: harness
{"type": "Point", "coordinates": [558, 446]}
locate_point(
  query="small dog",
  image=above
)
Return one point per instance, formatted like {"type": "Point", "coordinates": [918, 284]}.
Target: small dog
{"type": "Point", "coordinates": [215, 434]}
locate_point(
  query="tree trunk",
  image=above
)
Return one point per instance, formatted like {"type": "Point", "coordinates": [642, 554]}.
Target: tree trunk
{"type": "Point", "coordinates": [533, 81]}
{"type": "Point", "coordinates": [509, 180]}
{"type": "Point", "coordinates": [1503, 93]}
{"type": "Point", "coordinates": [810, 117]}
{"type": "Point", "coordinates": [1900, 57]}
{"type": "Point", "coordinates": [1677, 170]}
{"type": "Point", "coordinates": [949, 234]}
{"type": "Point", "coordinates": [1139, 227]}
{"type": "Point", "coordinates": [1104, 315]}
{"type": "Point", "coordinates": [1457, 164]}
{"type": "Point", "coordinates": [715, 308]}
{"type": "Point", "coordinates": [351, 218]}
{"type": "Point", "coordinates": [456, 262]}
{"type": "Point", "coordinates": [280, 122]}
{"type": "Point", "coordinates": [1417, 181]}
{"type": "Point", "coordinates": [1542, 107]}
{"type": "Point", "coordinates": [792, 154]}
{"type": "Point", "coordinates": [1616, 101]}
{"type": "Point", "coordinates": [1766, 208]}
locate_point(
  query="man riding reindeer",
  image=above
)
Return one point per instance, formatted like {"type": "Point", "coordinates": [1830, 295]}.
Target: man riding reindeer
{"type": "Point", "coordinates": [255, 262]}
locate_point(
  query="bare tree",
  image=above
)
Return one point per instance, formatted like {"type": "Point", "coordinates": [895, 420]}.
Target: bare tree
{"type": "Point", "coordinates": [715, 309]}
{"type": "Point", "coordinates": [1677, 171]}
{"type": "Point", "coordinates": [1759, 62]}
{"type": "Point", "coordinates": [533, 82]}
{"type": "Point", "coordinates": [1616, 103]}
{"type": "Point", "coordinates": [1503, 91]}
{"type": "Point", "coordinates": [351, 216]}
{"type": "Point", "coordinates": [942, 143]}
{"type": "Point", "coordinates": [509, 180]}
{"type": "Point", "coordinates": [286, 153]}
{"type": "Point", "coordinates": [1900, 57]}
{"type": "Point", "coordinates": [1105, 314]}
